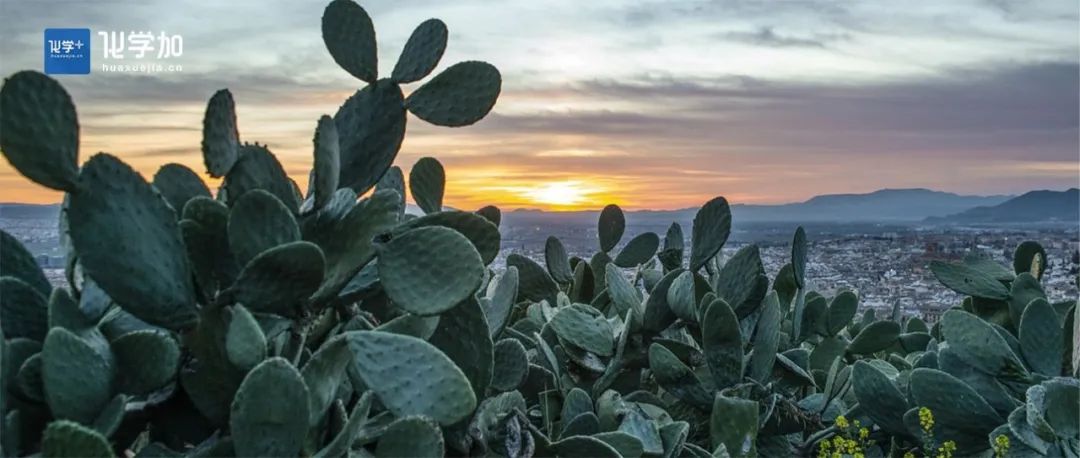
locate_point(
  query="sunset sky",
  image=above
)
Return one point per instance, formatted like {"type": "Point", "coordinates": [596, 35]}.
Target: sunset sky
{"type": "Point", "coordinates": [649, 104]}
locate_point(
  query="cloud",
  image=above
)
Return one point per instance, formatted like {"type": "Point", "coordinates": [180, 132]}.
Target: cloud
{"type": "Point", "coordinates": [767, 36]}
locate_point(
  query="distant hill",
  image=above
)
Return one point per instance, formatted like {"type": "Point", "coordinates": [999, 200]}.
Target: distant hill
{"type": "Point", "coordinates": [886, 205]}
{"type": "Point", "coordinates": [1034, 206]}
{"type": "Point", "coordinates": [29, 211]}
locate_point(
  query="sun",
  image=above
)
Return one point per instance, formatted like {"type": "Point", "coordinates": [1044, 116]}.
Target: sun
{"type": "Point", "coordinates": [559, 193]}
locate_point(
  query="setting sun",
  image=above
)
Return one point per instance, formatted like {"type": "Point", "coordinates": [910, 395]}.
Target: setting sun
{"type": "Point", "coordinates": [562, 193]}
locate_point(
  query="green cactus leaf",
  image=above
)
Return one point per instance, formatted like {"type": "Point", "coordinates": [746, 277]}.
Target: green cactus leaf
{"type": "Point", "coordinates": [742, 281]}
{"type": "Point", "coordinates": [534, 282]}
{"type": "Point", "coordinates": [584, 447]}
{"type": "Point", "coordinates": [677, 378]}
{"type": "Point", "coordinates": [179, 184]}
{"type": "Point", "coordinates": [280, 279]}
{"type": "Point", "coordinates": [245, 343]}
{"type": "Point", "coordinates": [411, 377]}
{"type": "Point", "coordinates": [343, 441]}
{"type": "Point", "coordinates": [627, 445]}
{"type": "Point", "coordinates": [674, 435]}
{"type": "Point", "coordinates": [712, 226]}
{"type": "Point", "coordinates": [913, 342]}
{"type": "Point", "coordinates": [879, 398]}
{"type": "Point", "coordinates": [682, 298]}
{"type": "Point", "coordinates": [638, 250]}
{"type": "Point", "coordinates": [610, 227]}
{"type": "Point", "coordinates": [624, 296]}
{"type": "Point", "coordinates": [257, 168]}
{"type": "Point", "coordinates": [500, 303]}
{"type": "Point", "coordinates": [511, 365]}
{"type": "Point", "coordinates": [41, 130]}
{"type": "Point", "coordinates": [915, 324]}
{"type": "Point", "coordinates": [1051, 407]}
{"type": "Point", "coordinates": [221, 141]}
{"type": "Point", "coordinates": [270, 411]}
{"type": "Point", "coordinates": [428, 270]}
{"type": "Point", "coordinates": [258, 221]}
{"type": "Point", "coordinates": [874, 338]}
{"type": "Point", "coordinates": [16, 261]}
{"type": "Point", "coordinates": [977, 343]}
{"type": "Point", "coordinates": [459, 96]}
{"type": "Point", "coordinates": [1041, 338]}
{"type": "Point", "coordinates": [67, 439]}
{"type": "Point", "coordinates": [422, 52]}
{"type": "Point", "coordinates": [814, 318]}
{"type": "Point", "coordinates": [205, 232]}
{"type": "Point", "coordinates": [491, 213]}
{"type": "Point", "coordinates": [585, 424]}
{"type": "Point", "coordinates": [129, 242]}
{"type": "Point", "coordinates": [657, 314]}
{"type": "Point", "coordinates": [349, 35]}
{"type": "Point", "coordinates": [76, 398]}
{"type": "Point", "coordinates": [421, 327]}
{"type": "Point", "coordinates": [1024, 289]}
{"type": "Point", "coordinates": [145, 360]}
{"type": "Point", "coordinates": [967, 280]}
{"type": "Point", "coordinates": [766, 339]}
{"type": "Point", "coordinates": [558, 263]}
{"type": "Point", "coordinates": [826, 351]}
{"type": "Point", "coordinates": [734, 425]}
{"type": "Point", "coordinates": [841, 311]}
{"type": "Point", "coordinates": [583, 286]}
{"type": "Point", "coordinates": [636, 422]}
{"type": "Point", "coordinates": [24, 312]}
{"type": "Point", "coordinates": [326, 170]}
{"type": "Point", "coordinates": [28, 379]}
{"type": "Point", "coordinates": [108, 421]}
{"type": "Point", "coordinates": [323, 375]}
{"type": "Point", "coordinates": [952, 401]}
{"type": "Point", "coordinates": [393, 180]}
{"type": "Point", "coordinates": [412, 437]}
{"type": "Point", "coordinates": [347, 243]}
{"type": "Point", "coordinates": [585, 328]}
{"type": "Point", "coordinates": [371, 127]}
{"type": "Point", "coordinates": [482, 233]}
{"type": "Point", "coordinates": [427, 183]}
{"type": "Point", "coordinates": [785, 287]}
{"type": "Point", "coordinates": [721, 341]}
{"type": "Point", "coordinates": [798, 258]}
{"type": "Point", "coordinates": [208, 377]}
{"type": "Point", "coordinates": [1030, 257]}
{"type": "Point", "coordinates": [462, 336]}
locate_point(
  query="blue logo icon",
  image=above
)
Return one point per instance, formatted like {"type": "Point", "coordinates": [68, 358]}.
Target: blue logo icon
{"type": "Point", "coordinates": [67, 51]}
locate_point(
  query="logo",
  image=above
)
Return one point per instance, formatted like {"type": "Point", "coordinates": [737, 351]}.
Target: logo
{"type": "Point", "coordinates": [67, 51]}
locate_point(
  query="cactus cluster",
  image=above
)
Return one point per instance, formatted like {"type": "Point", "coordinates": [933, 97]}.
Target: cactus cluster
{"type": "Point", "coordinates": [256, 321]}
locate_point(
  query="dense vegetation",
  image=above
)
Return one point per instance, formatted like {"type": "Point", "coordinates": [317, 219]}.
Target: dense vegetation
{"type": "Point", "coordinates": [260, 322]}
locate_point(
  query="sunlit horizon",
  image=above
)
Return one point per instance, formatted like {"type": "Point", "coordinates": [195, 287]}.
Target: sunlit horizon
{"type": "Point", "coordinates": [645, 105]}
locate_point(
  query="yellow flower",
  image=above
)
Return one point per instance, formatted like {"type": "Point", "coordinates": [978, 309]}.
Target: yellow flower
{"type": "Point", "coordinates": [946, 450]}
{"type": "Point", "coordinates": [1001, 446]}
{"type": "Point", "coordinates": [909, 455]}
{"type": "Point", "coordinates": [841, 422]}
{"type": "Point", "coordinates": [926, 419]}
{"type": "Point", "coordinates": [864, 433]}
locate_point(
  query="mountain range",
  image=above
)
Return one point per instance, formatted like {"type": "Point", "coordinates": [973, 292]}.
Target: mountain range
{"type": "Point", "coordinates": [885, 206]}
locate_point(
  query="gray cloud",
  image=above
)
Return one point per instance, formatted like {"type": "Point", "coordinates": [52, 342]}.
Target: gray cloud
{"type": "Point", "coordinates": [767, 36]}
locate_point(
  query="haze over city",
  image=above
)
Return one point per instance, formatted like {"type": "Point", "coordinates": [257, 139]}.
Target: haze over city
{"type": "Point", "coordinates": [645, 104]}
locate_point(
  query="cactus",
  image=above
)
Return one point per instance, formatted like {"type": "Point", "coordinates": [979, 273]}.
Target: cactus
{"type": "Point", "coordinates": [256, 321]}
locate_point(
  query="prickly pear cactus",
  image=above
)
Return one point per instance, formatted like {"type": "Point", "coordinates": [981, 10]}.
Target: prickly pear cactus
{"type": "Point", "coordinates": [260, 322]}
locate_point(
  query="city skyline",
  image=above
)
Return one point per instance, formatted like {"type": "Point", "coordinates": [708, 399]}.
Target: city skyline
{"type": "Point", "coordinates": [646, 105]}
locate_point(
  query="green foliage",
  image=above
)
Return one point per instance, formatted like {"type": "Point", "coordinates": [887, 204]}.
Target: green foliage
{"type": "Point", "coordinates": [249, 323]}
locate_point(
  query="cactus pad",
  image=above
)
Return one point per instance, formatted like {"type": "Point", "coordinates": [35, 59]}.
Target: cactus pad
{"type": "Point", "coordinates": [534, 282]}
{"type": "Point", "coordinates": [178, 184]}
{"type": "Point", "coordinates": [257, 168]}
{"type": "Point", "coordinates": [968, 280]}
{"type": "Point", "coordinates": [874, 338]}
{"type": "Point", "coordinates": [258, 221]}
{"type": "Point", "coordinates": [347, 243]}
{"type": "Point", "coordinates": [558, 263]}
{"type": "Point", "coordinates": [610, 227]}
{"type": "Point", "coordinates": [41, 130]}
{"type": "Point", "coordinates": [129, 242]}
{"type": "Point", "coordinates": [459, 96]}
{"type": "Point", "coordinates": [67, 439]}
{"type": "Point", "coordinates": [76, 398]}
{"type": "Point", "coordinates": [23, 311]}
{"type": "Point", "coordinates": [638, 250]}
{"type": "Point", "coordinates": [145, 360]}
{"type": "Point", "coordinates": [422, 52]}
{"type": "Point", "coordinates": [276, 428]}
{"type": "Point", "coordinates": [462, 335]}
{"type": "Point", "coordinates": [482, 233]}
{"type": "Point", "coordinates": [585, 328]}
{"type": "Point", "coordinates": [427, 182]}
{"type": "Point", "coordinates": [245, 343]}
{"type": "Point", "coordinates": [412, 377]}
{"type": "Point", "coordinates": [371, 127]}
{"type": "Point", "coordinates": [412, 437]}
{"type": "Point", "coordinates": [16, 261]}
{"type": "Point", "coordinates": [349, 35]}
{"type": "Point", "coordinates": [721, 342]}
{"type": "Point", "coordinates": [327, 162]}
{"type": "Point", "coordinates": [279, 279]}
{"type": "Point", "coordinates": [712, 226]}
{"type": "Point", "coordinates": [428, 270]}
{"type": "Point", "coordinates": [221, 141]}
{"type": "Point", "coordinates": [511, 365]}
